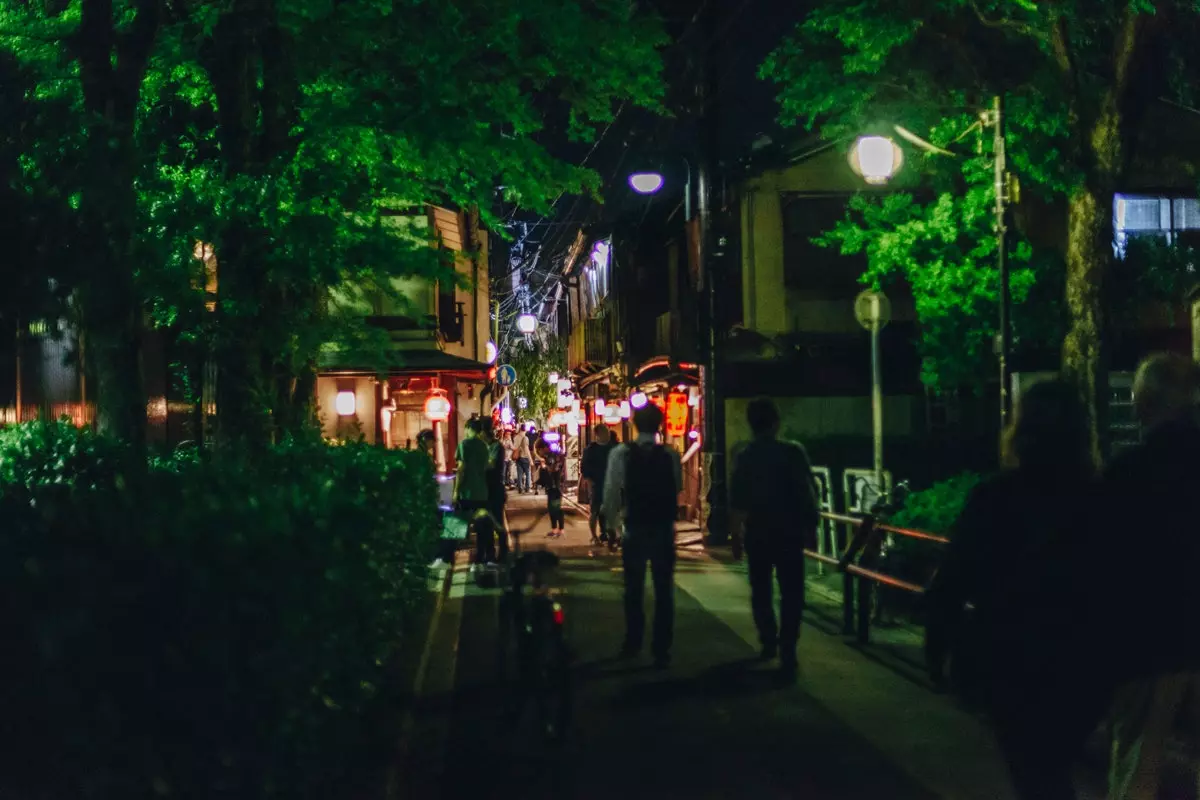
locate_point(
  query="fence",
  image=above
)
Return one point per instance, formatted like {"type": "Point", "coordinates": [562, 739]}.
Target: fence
{"type": "Point", "coordinates": [859, 567]}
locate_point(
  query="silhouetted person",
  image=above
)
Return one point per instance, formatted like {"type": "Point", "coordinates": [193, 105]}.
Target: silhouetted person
{"type": "Point", "coordinates": [1021, 653]}
{"type": "Point", "coordinates": [497, 496]}
{"type": "Point", "coordinates": [1150, 618]}
{"type": "Point", "coordinates": [641, 495]}
{"type": "Point", "coordinates": [594, 469]}
{"type": "Point", "coordinates": [774, 503]}
{"type": "Point", "coordinates": [524, 458]}
{"type": "Point", "coordinates": [471, 490]}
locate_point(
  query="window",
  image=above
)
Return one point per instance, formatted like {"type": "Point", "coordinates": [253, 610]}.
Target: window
{"type": "Point", "coordinates": [596, 272]}
{"type": "Point", "coordinates": [1163, 217]}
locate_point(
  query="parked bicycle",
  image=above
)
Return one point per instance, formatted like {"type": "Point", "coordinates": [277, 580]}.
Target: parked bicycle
{"type": "Point", "coordinates": [889, 558]}
{"type": "Point", "coordinates": [533, 656]}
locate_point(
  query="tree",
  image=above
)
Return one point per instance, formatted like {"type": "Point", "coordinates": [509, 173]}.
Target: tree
{"type": "Point", "coordinates": [1078, 77]}
{"type": "Point", "coordinates": [535, 360]}
{"type": "Point", "coordinates": [284, 135]}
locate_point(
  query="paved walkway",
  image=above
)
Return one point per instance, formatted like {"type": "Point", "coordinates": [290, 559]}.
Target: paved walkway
{"type": "Point", "coordinates": [715, 725]}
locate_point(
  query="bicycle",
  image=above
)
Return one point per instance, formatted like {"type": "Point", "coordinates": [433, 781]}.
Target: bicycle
{"type": "Point", "coordinates": [532, 648]}
{"type": "Point", "coordinates": [887, 556]}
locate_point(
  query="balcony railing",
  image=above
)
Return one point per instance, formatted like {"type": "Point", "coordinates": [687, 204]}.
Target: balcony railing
{"type": "Point", "coordinates": [590, 344]}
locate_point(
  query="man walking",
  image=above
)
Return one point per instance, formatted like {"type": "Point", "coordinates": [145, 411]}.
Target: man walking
{"type": "Point", "coordinates": [641, 496]}
{"type": "Point", "coordinates": [594, 469]}
{"type": "Point", "coordinates": [774, 504]}
{"type": "Point", "coordinates": [523, 456]}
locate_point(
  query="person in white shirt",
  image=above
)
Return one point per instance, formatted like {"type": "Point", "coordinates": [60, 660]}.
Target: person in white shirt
{"type": "Point", "coordinates": [641, 500]}
{"type": "Point", "coordinates": [523, 458]}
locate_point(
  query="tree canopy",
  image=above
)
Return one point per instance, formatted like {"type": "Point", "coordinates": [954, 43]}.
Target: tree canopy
{"type": "Point", "coordinates": [284, 135]}
{"type": "Point", "coordinates": [1078, 76]}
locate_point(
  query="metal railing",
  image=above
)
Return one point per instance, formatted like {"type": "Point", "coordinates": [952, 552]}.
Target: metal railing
{"type": "Point", "coordinates": [858, 567]}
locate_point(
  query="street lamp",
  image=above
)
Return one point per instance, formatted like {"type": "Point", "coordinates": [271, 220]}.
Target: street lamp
{"type": "Point", "coordinates": [646, 182]}
{"type": "Point", "coordinates": [877, 158]}
{"type": "Point", "coordinates": [527, 323]}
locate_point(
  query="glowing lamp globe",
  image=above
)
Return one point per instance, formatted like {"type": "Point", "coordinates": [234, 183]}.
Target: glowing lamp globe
{"type": "Point", "coordinates": [527, 323]}
{"type": "Point", "coordinates": [506, 415]}
{"type": "Point", "coordinates": [344, 404]}
{"type": "Point", "coordinates": [600, 406]}
{"type": "Point", "coordinates": [490, 352]}
{"type": "Point", "coordinates": [876, 159]}
{"type": "Point", "coordinates": [437, 408]}
{"type": "Point", "coordinates": [645, 182]}
{"type": "Point", "coordinates": [638, 399]}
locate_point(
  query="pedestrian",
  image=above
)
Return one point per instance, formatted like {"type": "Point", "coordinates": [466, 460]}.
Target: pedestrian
{"type": "Point", "coordinates": [497, 496]}
{"type": "Point", "coordinates": [471, 491]}
{"type": "Point", "coordinates": [593, 468]}
{"type": "Point", "coordinates": [524, 459]}
{"type": "Point", "coordinates": [641, 499]}
{"type": "Point", "coordinates": [1021, 652]}
{"type": "Point", "coordinates": [551, 479]}
{"type": "Point", "coordinates": [1146, 492]}
{"type": "Point", "coordinates": [775, 514]}
{"type": "Point", "coordinates": [506, 441]}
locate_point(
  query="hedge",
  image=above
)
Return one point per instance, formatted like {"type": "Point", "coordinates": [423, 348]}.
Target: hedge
{"type": "Point", "coordinates": [200, 627]}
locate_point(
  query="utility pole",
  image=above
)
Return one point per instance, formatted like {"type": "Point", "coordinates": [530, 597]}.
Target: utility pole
{"type": "Point", "coordinates": [710, 252]}
{"type": "Point", "coordinates": [1001, 188]}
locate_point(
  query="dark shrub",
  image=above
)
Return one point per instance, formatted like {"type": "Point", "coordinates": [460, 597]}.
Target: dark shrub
{"type": "Point", "coordinates": [200, 628]}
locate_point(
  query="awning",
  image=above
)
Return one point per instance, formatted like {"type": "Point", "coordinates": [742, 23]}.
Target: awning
{"type": "Point", "coordinates": [410, 362]}
{"type": "Point", "coordinates": [664, 370]}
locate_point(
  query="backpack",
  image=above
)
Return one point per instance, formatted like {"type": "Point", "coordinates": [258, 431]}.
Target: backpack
{"type": "Point", "coordinates": [650, 491]}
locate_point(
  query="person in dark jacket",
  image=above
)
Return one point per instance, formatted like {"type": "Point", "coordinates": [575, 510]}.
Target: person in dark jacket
{"type": "Point", "coordinates": [497, 494]}
{"type": "Point", "coordinates": [774, 500]}
{"type": "Point", "coordinates": [1023, 652]}
{"type": "Point", "coordinates": [593, 469]}
{"type": "Point", "coordinates": [641, 497]}
{"type": "Point", "coordinates": [1146, 509]}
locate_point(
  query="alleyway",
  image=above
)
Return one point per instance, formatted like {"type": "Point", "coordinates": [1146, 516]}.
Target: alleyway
{"type": "Point", "coordinates": [716, 724]}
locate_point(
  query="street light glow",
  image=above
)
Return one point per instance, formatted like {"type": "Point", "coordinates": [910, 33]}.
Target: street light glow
{"type": "Point", "coordinates": [490, 352]}
{"type": "Point", "coordinates": [527, 323]}
{"type": "Point", "coordinates": [638, 399]}
{"type": "Point", "coordinates": [876, 159]}
{"type": "Point", "coordinates": [645, 182]}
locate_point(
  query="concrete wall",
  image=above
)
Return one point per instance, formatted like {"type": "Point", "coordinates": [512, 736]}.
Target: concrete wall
{"type": "Point", "coordinates": [767, 305]}
{"type": "Point", "coordinates": [821, 417]}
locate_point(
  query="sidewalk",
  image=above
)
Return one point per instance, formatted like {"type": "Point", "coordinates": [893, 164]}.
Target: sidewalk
{"type": "Point", "coordinates": [716, 724]}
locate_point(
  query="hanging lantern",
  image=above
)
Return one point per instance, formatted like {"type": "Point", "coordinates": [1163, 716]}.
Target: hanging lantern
{"type": "Point", "coordinates": [527, 323]}
{"type": "Point", "coordinates": [600, 406]}
{"type": "Point", "coordinates": [490, 352]}
{"type": "Point", "coordinates": [437, 407]}
{"type": "Point", "coordinates": [638, 399]}
{"type": "Point", "coordinates": [625, 410]}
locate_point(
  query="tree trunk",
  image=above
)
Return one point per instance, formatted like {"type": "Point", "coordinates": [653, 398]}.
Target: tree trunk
{"type": "Point", "coordinates": [1089, 251]}
{"type": "Point", "coordinates": [111, 70]}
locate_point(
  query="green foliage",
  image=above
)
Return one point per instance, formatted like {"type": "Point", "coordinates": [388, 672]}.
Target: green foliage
{"type": "Point", "coordinates": [534, 361]}
{"type": "Point", "coordinates": [937, 508]}
{"type": "Point", "coordinates": [202, 627]}
{"type": "Point", "coordinates": [286, 136]}
{"type": "Point", "coordinates": [860, 68]}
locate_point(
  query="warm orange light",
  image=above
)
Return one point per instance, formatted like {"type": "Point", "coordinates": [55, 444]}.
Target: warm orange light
{"type": "Point", "coordinates": [677, 413]}
{"type": "Point", "coordinates": [437, 408]}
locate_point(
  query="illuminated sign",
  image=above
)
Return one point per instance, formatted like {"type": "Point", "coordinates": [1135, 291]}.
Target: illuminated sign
{"type": "Point", "coordinates": [677, 413]}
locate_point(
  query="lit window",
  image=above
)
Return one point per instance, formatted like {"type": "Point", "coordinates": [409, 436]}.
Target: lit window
{"type": "Point", "coordinates": [1161, 217]}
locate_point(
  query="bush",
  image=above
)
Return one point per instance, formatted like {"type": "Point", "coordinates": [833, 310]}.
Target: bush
{"type": "Point", "coordinates": [934, 510]}
{"type": "Point", "coordinates": [937, 508]}
{"type": "Point", "coordinates": [201, 627]}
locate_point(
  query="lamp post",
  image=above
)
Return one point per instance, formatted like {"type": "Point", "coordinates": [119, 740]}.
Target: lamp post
{"type": "Point", "coordinates": [878, 158]}
{"type": "Point", "coordinates": [713, 439]}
